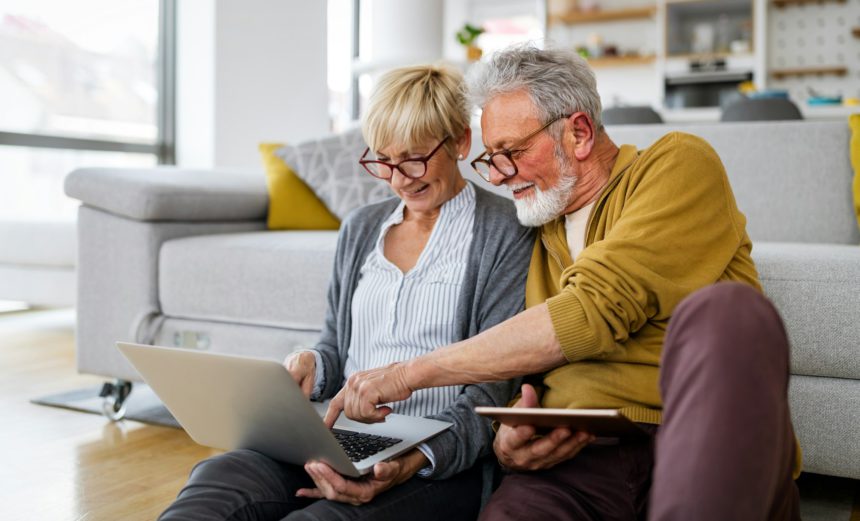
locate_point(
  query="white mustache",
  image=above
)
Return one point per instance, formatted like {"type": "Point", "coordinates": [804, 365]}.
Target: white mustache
{"type": "Point", "coordinates": [519, 186]}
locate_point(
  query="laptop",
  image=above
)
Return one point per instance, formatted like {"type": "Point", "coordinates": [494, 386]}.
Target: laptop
{"type": "Point", "coordinates": [236, 402]}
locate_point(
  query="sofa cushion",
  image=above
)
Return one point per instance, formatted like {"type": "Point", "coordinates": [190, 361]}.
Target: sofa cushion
{"type": "Point", "coordinates": [793, 185]}
{"type": "Point", "coordinates": [292, 204]}
{"type": "Point", "coordinates": [825, 416]}
{"type": "Point", "coordinates": [261, 278]}
{"type": "Point", "coordinates": [816, 288]}
{"type": "Point", "coordinates": [330, 167]}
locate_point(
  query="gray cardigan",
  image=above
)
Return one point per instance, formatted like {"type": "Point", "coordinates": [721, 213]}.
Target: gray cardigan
{"type": "Point", "coordinates": [493, 290]}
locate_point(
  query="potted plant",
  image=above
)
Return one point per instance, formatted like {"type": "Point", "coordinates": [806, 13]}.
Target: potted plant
{"type": "Point", "coordinates": [467, 36]}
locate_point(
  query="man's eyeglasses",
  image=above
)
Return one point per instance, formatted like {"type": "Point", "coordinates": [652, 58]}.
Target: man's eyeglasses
{"type": "Point", "coordinates": [413, 167]}
{"type": "Point", "coordinates": [503, 160]}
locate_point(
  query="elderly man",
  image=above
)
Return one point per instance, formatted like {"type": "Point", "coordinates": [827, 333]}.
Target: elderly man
{"type": "Point", "coordinates": [626, 239]}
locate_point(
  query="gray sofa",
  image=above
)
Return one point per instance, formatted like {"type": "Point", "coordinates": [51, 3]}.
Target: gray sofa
{"type": "Point", "coordinates": [182, 258]}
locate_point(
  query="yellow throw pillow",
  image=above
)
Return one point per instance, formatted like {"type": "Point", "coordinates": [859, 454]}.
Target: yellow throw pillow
{"type": "Point", "coordinates": [292, 205]}
{"type": "Point", "coordinates": [854, 123]}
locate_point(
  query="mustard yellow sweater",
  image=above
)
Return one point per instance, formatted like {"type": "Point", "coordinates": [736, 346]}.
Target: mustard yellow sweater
{"type": "Point", "coordinates": [665, 225]}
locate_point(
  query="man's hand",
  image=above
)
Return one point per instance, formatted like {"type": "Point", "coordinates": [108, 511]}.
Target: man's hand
{"type": "Point", "coordinates": [364, 392]}
{"type": "Point", "coordinates": [302, 366]}
{"type": "Point", "coordinates": [519, 449]}
{"type": "Point", "coordinates": [333, 486]}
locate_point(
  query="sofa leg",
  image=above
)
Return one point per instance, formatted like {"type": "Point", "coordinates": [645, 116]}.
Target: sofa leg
{"type": "Point", "coordinates": [115, 395]}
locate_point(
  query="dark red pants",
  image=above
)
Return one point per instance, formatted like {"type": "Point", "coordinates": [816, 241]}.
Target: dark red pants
{"type": "Point", "coordinates": [725, 448]}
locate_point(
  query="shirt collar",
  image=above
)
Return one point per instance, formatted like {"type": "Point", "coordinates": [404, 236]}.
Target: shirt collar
{"type": "Point", "coordinates": [460, 202]}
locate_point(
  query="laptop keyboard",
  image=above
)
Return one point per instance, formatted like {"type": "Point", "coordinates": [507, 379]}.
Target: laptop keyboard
{"type": "Point", "coordinates": [360, 445]}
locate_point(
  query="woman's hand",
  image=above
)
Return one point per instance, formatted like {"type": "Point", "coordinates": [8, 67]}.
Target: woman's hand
{"type": "Point", "coordinates": [387, 474]}
{"type": "Point", "coordinates": [302, 366]}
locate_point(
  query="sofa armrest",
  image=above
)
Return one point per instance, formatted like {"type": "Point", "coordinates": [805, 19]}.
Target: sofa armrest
{"type": "Point", "coordinates": [117, 283]}
{"type": "Point", "coordinates": [126, 215]}
{"type": "Point", "coordinates": [170, 193]}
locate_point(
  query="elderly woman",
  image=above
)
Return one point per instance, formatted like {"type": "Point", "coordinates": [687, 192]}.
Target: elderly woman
{"type": "Point", "coordinates": [440, 262]}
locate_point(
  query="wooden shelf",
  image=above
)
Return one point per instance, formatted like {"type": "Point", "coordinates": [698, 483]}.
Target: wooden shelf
{"type": "Point", "coordinates": [620, 61]}
{"type": "Point", "coordinates": [787, 3]}
{"type": "Point", "coordinates": [710, 55]}
{"type": "Point", "coordinates": [808, 71]}
{"type": "Point", "coordinates": [603, 15]}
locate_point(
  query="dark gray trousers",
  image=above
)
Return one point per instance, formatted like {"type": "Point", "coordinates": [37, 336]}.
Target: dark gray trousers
{"type": "Point", "coordinates": [246, 485]}
{"type": "Point", "coordinates": [726, 445]}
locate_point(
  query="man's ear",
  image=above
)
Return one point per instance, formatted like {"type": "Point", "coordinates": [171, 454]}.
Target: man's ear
{"type": "Point", "coordinates": [583, 136]}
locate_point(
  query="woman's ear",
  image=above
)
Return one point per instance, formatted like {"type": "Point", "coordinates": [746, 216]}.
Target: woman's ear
{"type": "Point", "coordinates": [583, 135]}
{"type": "Point", "coordinates": [464, 144]}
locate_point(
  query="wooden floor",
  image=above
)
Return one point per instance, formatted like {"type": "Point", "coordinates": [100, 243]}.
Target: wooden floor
{"type": "Point", "coordinates": [64, 465]}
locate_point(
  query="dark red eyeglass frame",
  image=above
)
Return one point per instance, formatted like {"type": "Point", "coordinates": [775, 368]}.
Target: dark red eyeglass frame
{"type": "Point", "coordinates": [391, 166]}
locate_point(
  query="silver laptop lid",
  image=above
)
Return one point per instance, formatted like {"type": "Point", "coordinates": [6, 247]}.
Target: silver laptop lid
{"type": "Point", "coordinates": [229, 402]}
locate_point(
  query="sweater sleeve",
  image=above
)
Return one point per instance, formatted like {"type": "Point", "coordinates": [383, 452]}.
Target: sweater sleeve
{"type": "Point", "coordinates": [677, 231]}
{"type": "Point", "coordinates": [327, 346]}
{"type": "Point", "coordinates": [353, 243]}
{"type": "Point", "coordinates": [503, 295]}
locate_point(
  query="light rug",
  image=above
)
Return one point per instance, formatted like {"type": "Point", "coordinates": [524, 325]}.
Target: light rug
{"type": "Point", "coordinates": [142, 404]}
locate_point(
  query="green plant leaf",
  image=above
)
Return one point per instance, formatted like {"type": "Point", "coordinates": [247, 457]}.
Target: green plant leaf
{"type": "Point", "coordinates": [468, 34]}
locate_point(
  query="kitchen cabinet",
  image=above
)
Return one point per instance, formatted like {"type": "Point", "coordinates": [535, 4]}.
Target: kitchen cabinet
{"type": "Point", "coordinates": [686, 57]}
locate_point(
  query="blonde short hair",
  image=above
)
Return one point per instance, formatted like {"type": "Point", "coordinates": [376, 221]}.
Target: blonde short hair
{"type": "Point", "coordinates": [412, 105]}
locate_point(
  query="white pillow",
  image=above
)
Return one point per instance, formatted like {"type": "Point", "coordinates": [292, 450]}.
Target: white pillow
{"type": "Point", "coordinates": [329, 166]}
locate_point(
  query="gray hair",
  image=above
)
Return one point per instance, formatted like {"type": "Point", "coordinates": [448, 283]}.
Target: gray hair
{"type": "Point", "coordinates": [558, 81]}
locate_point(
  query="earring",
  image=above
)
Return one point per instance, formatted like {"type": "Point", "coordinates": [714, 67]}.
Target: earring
{"type": "Point", "coordinates": [460, 157]}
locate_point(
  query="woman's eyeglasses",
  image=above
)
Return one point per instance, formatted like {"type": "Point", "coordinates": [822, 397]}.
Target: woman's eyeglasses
{"type": "Point", "coordinates": [413, 168]}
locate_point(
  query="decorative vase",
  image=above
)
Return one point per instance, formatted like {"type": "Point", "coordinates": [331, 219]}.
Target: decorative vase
{"type": "Point", "coordinates": [473, 53]}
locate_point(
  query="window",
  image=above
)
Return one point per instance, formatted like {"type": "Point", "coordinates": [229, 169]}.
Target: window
{"type": "Point", "coordinates": [354, 64]}
{"type": "Point", "coordinates": [84, 83]}
{"type": "Point", "coordinates": [341, 31]}
{"type": "Point", "coordinates": [507, 22]}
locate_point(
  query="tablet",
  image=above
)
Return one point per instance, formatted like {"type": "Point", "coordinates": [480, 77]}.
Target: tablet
{"type": "Point", "coordinates": [603, 423]}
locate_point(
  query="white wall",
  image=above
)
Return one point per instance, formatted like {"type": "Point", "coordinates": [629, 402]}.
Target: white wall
{"type": "Point", "coordinates": [248, 72]}
{"type": "Point", "coordinates": [398, 33]}
{"type": "Point", "coordinates": [406, 31]}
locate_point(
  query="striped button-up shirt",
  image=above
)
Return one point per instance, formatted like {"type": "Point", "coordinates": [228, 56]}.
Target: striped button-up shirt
{"type": "Point", "coordinates": [397, 316]}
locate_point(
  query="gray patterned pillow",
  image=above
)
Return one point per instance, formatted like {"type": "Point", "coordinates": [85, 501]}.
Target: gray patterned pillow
{"type": "Point", "coordinates": [329, 166]}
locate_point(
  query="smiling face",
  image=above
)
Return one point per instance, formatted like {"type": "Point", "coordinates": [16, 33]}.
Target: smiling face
{"type": "Point", "coordinates": [439, 184]}
{"type": "Point", "coordinates": [544, 183]}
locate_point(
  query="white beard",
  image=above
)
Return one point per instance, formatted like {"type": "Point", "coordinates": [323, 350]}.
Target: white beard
{"type": "Point", "coordinates": [546, 205]}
